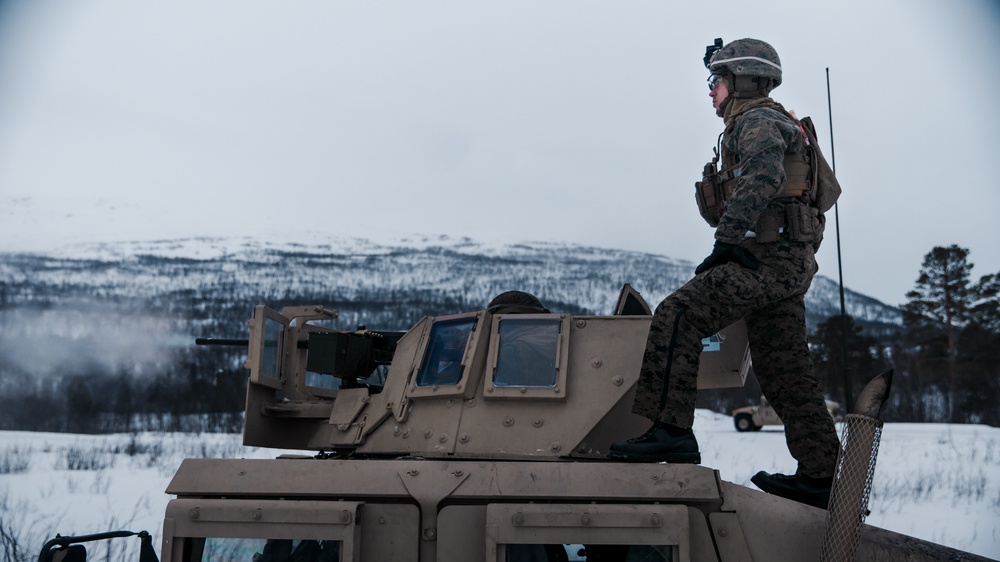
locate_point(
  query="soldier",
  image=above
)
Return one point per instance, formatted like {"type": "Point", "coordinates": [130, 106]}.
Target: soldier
{"type": "Point", "coordinates": [759, 270]}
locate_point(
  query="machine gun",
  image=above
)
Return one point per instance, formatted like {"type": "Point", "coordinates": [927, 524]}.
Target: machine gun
{"type": "Point", "coordinates": [349, 356]}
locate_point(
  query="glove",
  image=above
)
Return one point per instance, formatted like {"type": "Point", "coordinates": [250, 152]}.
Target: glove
{"type": "Point", "coordinates": [724, 252]}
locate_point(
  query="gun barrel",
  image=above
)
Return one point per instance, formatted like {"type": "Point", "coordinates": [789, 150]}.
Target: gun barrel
{"type": "Point", "coordinates": [221, 341]}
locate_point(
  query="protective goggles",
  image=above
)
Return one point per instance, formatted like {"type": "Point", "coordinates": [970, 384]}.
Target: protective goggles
{"type": "Point", "coordinates": [713, 80]}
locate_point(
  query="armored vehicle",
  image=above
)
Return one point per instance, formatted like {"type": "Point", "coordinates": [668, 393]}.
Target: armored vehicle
{"type": "Point", "coordinates": [753, 418]}
{"type": "Point", "coordinates": [476, 436]}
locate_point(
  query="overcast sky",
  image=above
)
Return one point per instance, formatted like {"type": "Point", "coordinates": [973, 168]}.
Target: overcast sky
{"type": "Point", "coordinates": [562, 121]}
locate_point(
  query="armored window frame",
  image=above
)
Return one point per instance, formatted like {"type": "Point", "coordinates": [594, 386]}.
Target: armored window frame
{"type": "Point", "coordinates": [254, 519]}
{"type": "Point", "coordinates": [497, 352]}
{"type": "Point", "coordinates": [266, 346]}
{"type": "Point", "coordinates": [606, 524]}
{"type": "Point", "coordinates": [427, 351]}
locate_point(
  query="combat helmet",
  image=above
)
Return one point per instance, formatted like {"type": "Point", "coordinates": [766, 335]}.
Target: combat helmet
{"type": "Point", "coordinates": [752, 66]}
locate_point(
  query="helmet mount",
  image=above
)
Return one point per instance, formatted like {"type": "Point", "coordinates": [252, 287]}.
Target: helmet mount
{"type": "Point", "coordinates": [752, 65]}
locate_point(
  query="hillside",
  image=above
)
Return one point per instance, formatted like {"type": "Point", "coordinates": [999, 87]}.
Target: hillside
{"type": "Point", "coordinates": [389, 286]}
{"type": "Point", "coordinates": [117, 322]}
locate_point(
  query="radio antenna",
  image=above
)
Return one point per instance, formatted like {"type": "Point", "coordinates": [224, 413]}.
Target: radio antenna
{"type": "Point", "coordinates": [848, 394]}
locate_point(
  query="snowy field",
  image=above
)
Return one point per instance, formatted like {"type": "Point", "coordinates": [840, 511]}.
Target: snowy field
{"type": "Point", "coordinates": [933, 481]}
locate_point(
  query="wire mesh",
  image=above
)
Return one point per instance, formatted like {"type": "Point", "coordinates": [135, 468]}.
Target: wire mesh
{"type": "Point", "coordinates": [851, 487]}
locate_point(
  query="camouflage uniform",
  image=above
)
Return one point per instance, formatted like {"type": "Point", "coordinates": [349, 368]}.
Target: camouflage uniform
{"type": "Point", "coordinates": [770, 299]}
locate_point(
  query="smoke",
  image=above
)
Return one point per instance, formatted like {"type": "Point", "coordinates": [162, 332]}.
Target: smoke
{"type": "Point", "coordinates": [84, 338]}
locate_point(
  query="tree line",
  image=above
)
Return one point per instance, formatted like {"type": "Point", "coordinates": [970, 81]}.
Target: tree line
{"type": "Point", "coordinates": [946, 357]}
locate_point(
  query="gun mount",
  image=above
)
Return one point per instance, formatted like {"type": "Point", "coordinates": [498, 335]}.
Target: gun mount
{"type": "Point", "coordinates": [473, 385]}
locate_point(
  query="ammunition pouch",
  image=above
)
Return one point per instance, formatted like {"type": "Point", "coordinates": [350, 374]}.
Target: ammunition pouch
{"type": "Point", "coordinates": [712, 192]}
{"type": "Point", "coordinates": [797, 172]}
{"type": "Point", "coordinates": [794, 221]}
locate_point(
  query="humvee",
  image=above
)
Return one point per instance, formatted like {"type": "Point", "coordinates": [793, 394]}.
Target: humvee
{"type": "Point", "coordinates": [475, 436]}
{"type": "Point", "coordinates": [753, 418]}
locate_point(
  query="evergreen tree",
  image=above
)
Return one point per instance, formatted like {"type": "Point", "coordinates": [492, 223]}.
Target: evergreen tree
{"type": "Point", "coordinates": [81, 409]}
{"type": "Point", "coordinates": [864, 354]}
{"type": "Point", "coordinates": [986, 310]}
{"type": "Point", "coordinates": [978, 353]}
{"type": "Point", "coordinates": [939, 305]}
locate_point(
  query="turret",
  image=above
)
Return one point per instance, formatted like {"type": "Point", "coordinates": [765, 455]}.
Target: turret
{"type": "Point", "coordinates": [483, 384]}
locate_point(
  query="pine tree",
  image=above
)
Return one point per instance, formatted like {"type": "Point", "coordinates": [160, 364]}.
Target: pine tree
{"type": "Point", "coordinates": [986, 310]}
{"type": "Point", "coordinates": [940, 303]}
{"type": "Point", "coordinates": [864, 355]}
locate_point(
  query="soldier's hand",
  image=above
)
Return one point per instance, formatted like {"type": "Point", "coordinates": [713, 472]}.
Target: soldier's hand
{"type": "Point", "coordinates": [724, 252]}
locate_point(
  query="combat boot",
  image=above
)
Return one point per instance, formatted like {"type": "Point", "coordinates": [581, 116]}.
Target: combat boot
{"type": "Point", "coordinates": [661, 443]}
{"type": "Point", "coordinates": [803, 489]}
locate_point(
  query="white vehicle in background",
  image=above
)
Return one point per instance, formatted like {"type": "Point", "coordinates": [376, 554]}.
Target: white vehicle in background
{"type": "Point", "coordinates": [753, 418]}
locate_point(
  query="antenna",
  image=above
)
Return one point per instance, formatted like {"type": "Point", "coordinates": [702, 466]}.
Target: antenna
{"type": "Point", "coordinates": [848, 394]}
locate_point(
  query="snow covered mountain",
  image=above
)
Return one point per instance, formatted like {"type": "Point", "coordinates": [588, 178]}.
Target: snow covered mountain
{"type": "Point", "coordinates": [203, 281]}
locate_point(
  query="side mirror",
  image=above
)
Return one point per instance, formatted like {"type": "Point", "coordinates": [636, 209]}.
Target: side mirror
{"type": "Point", "coordinates": [69, 549]}
{"type": "Point", "coordinates": [71, 553]}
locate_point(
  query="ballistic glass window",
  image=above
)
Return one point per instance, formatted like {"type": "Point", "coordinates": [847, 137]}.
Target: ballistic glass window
{"type": "Point", "coordinates": [272, 340]}
{"type": "Point", "coordinates": [443, 360]}
{"type": "Point", "coordinates": [217, 549]}
{"type": "Point", "coordinates": [528, 352]}
{"type": "Point", "coordinates": [623, 552]}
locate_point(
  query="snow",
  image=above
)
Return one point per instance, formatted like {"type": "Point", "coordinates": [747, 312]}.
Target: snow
{"type": "Point", "coordinates": [937, 482]}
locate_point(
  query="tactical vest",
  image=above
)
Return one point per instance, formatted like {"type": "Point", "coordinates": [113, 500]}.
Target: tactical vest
{"type": "Point", "coordinates": [796, 212]}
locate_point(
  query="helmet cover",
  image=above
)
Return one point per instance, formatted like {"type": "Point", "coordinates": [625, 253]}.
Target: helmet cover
{"type": "Point", "coordinates": [745, 57]}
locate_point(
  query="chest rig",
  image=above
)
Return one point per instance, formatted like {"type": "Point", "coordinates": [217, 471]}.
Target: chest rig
{"type": "Point", "coordinates": [789, 214]}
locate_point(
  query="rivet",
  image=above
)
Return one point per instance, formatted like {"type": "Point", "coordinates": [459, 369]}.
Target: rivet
{"type": "Point", "coordinates": [457, 473]}
{"type": "Point", "coordinates": [345, 516]}
{"type": "Point", "coordinates": [443, 438]}
{"type": "Point", "coordinates": [413, 472]}
{"type": "Point", "coordinates": [431, 534]}
{"type": "Point", "coordinates": [656, 520]}
{"type": "Point", "coordinates": [194, 513]}
{"type": "Point", "coordinates": [556, 390]}
{"type": "Point", "coordinates": [555, 447]}
{"type": "Point", "coordinates": [518, 519]}
{"type": "Point", "coordinates": [581, 323]}
{"type": "Point", "coordinates": [395, 430]}
{"type": "Point", "coordinates": [538, 422]}
{"type": "Point", "coordinates": [523, 390]}
{"type": "Point", "coordinates": [508, 421]}
{"type": "Point", "coordinates": [617, 380]}
{"type": "Point", "coordinates": [596, 363]}
{"type": "Point", "coordinates": [257, 515]}
{"type": "Point", "coordinates": [242, 473]}
{"type": "Point", "coordinates": [463, 438]}
{"type": "Point", "coordinates": [723, 532]}
{"type": "Point", "coordinates": [428, 433]}
{"type": "Point", "coordinates": [585, 520]}
{"type": "Point", "coordinates": [381, 520]}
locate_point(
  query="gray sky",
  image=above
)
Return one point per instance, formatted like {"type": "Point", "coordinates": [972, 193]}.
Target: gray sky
{"type": "Point", "coordinates": [563, 121]}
